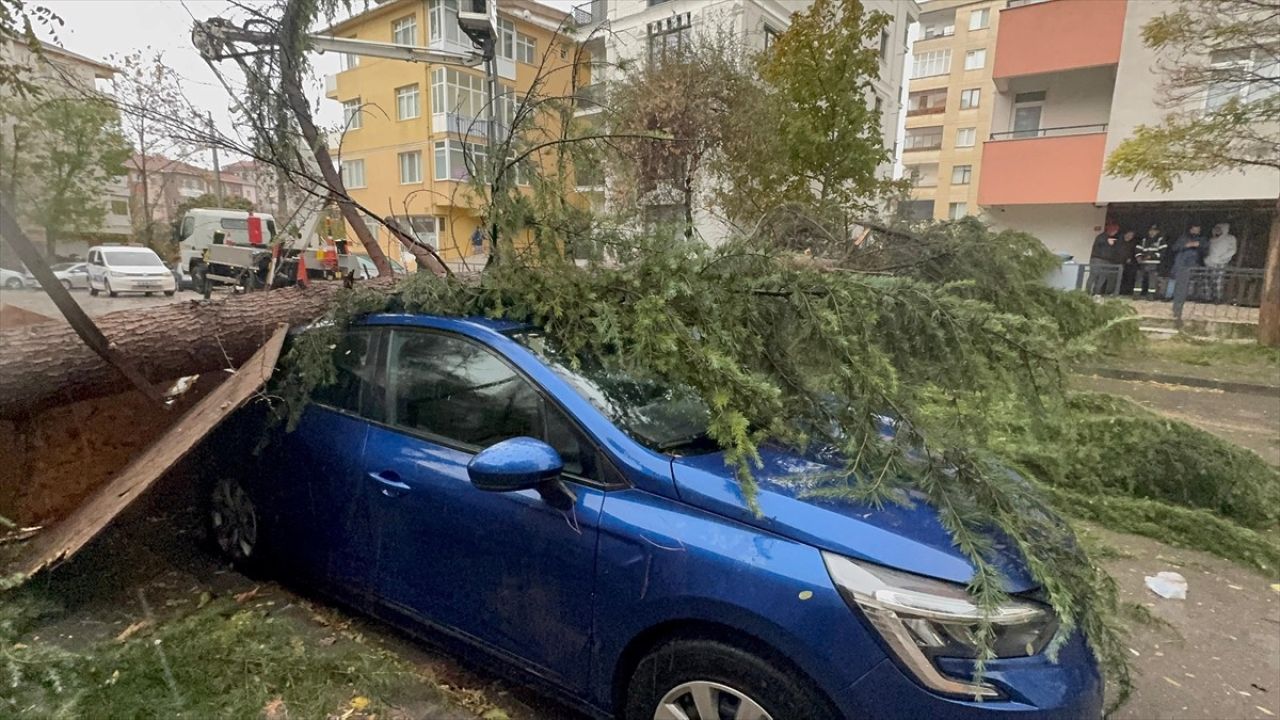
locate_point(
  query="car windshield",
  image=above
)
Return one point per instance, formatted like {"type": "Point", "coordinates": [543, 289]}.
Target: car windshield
{"type": "Point", "coordinates": [62, 266]}
{"type": "Point", "coordinates": [132, 257]}
{"type": "Point", "coordinates": [661, 416]}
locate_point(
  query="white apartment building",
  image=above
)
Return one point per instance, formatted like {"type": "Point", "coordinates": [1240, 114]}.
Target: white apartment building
{"type": "Point", "coordinates": [618, 32]}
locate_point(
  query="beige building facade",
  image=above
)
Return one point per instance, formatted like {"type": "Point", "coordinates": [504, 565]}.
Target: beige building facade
{"type": "Point", "coordinates": [949, 105]}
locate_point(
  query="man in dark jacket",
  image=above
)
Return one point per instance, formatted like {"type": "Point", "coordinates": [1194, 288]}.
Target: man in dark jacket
{"type": "Point", "coordinates": [1108, 253]}
{"type": "Point", "coordinates": [1188, 251]}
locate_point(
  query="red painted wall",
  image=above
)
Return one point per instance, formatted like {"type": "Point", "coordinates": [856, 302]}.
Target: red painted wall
{"type": "Point", "coordinates": [1058, 35]}
{"type": "Point", "coordinates": [1046, 170]}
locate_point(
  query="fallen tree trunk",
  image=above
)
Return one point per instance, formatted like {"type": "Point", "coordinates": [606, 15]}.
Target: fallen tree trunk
{"type": "Point", "coordinates": [45, 365]}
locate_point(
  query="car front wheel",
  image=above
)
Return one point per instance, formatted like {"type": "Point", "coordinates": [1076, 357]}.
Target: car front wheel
{"type": "Point", "coordinates": [711, 680]}
{"type": "Point", "coordinates": [235, 524]}
{"type": "Point", "coordinates": [13, 284]}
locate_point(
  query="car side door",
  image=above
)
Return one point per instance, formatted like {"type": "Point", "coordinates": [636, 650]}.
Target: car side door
{"type": "Point", "coordinates": [321, 506]}
{"type": "Point", "coordinates": [505, 569]}
{"type": "Point", "coordinates": [96, 272]}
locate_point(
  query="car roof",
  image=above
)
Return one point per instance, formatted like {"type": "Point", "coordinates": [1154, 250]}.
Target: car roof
{"type": "Point", "coordinates": [113, 248]}
{"type": "Point", "coordinates": [445, 322]}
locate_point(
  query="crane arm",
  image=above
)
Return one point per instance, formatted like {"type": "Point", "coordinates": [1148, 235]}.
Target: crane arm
{"type": "Point", "coordinates": [215, 38]}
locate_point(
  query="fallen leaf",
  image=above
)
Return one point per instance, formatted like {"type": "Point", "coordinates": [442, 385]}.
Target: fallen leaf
{"type": "Point", "coordinates": [359, 702]}
{"type": "Point", "coordinates": [130, 631]}
{"type": "Point", "coordinates": [275, 709]}
{"type": "Point", "coordinates": [1172, 682]}
{"type": "Point", "coordinates": [1266, 711]}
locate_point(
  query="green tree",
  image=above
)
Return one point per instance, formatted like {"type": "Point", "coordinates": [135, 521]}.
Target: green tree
{"type": "Point", "coordinates": [73, 150]}
{"type": "Point", "coordinates": [824, 136]}
{"type": "Point", "coordinates": [18, 23]}
{"type": "Point", "coordinates": [1221, 83]}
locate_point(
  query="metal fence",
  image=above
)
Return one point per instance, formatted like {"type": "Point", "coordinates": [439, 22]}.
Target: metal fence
{"type": "Point", "coordinates": [1202, 293]}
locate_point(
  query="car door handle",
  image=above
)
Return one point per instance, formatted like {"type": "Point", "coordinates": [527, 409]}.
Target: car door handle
{"type": "Point", "coordinates": [390, 483]}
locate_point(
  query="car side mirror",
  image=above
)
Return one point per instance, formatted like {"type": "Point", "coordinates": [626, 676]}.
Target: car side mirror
{"type": "Point", "coordinates": [521, 463]}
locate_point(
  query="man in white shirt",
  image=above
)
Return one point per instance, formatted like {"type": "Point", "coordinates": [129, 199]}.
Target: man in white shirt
{"type": "Point", "coordinates": [1222, 248]}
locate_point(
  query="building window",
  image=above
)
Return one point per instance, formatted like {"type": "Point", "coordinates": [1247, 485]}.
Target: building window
{"type": "Point", "coordinates": [405, 31]}
{"type": "Point", "coordinates": [879, 104]}
{"type": "Point", "coordinates": [526, 48]}
{"type": "Point", "coordinates": [351, 114]}
{"type": "Point", "coordinates": [938, 24]}
{"type": "Point", "coordinates": [979, 19]}
{"type": "Point", "coordinates": [1244, 73]}
{"type": "Point", "coordinates": [668, 38]}
{"type": "Point", "coordinates": [408, 106]}
{"type": "Point", "coordinates": [770, 37]}
{"type": "Point", "coordinates": [969, 98]}
{"type": "Point", "coordinates": [957, 210]}
{"type": "Point", "coordinates": [961, 174]}
{"type": "Point", "coordinates": [927, 102]}
{"type": "Point", "coordinates": [464, 95]}
{"type": "Point", "coordinates": [916, 209]}
{"type": "Point", "coordinates": [455, 159]}
{"type": "Point", "coordinates": [884, 45]}
{"type": "Point", "coordinates": [353, 173]}
{"type": "Point", "coordinates": [506, 39]}
{"type": "Point", "coordinates": [926, 138]}
{"type": "Point", "coordinates": [442, 21]}
{"type": "Point", "coordinates": [934, 62]}
{"type": "Point", "coordinates": [119, 207]}
{"type": "Point", "coordinates": [966, 137]}
{"type": "Point", "coordinates": [975, 59]}
{"type": "Point", "coordinates": [350, 61]}
{"type": "Point", "coordinates": [410, 167]}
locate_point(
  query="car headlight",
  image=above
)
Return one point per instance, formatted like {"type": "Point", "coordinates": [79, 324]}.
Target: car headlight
{"type": "Point", "coordinates": [922, 619]}
{"type": "Point", "coordinates": [115, 274]}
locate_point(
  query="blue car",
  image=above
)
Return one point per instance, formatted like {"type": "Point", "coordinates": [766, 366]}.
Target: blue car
{"type": "Point", "coordinates": [464, 480]}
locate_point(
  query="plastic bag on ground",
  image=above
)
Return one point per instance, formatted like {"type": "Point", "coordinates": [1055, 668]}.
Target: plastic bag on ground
{"type": "Point", "coordinates": [1168, 585]}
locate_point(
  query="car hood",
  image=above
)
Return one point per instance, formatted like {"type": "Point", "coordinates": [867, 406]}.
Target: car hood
{"type": "Point", "coordinates": [908, 537]}
{"type": "Point", "coordinates": [140, 269]}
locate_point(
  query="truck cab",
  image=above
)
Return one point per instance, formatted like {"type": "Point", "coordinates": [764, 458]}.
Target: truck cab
{"type": "Point", "coordinates": [202, 228]}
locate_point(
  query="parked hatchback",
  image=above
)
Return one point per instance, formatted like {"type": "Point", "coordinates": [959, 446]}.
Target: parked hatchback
{"type": "Point", "coordinates": [114, 269]}
{"type": "Point", "coordinates": [575, 524]}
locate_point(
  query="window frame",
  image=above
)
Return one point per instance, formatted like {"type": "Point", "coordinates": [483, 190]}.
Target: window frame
{"type": "Point", "coordinates": [353, 163]}
{"type": "Point", "coordinates": [972, 143]}
{"type": "Point", "coordinates": [399, 25]}
{"type": "Point", "coordinates": [366, 408]}
{"type": "Point", "coordinates": [984, 14]}
{"type": "Point", "coordinates": [609, 467]}
{"type": "Point", "coordinates": [400, 158]}
{"type": "Point", "coordinates": [526, 47]}
{"type": "Point", "coordinates": [404, 91]}
{"type": "Point", "coordinates": [951, 210]}
{"type": "Point", "coordinates": [941, 58]}
{"type": "Point", "coordinates": [976, 52]}
{"type": "Point", "coordinates": [966, 171]}
{"type": "Point", "coordinates": [975, 94]}
{"type": "Point", "coordinates": [352, 117]}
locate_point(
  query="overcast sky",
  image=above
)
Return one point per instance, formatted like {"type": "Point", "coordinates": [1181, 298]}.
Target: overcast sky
{"type": "Point", "coordinates": [101, 29]}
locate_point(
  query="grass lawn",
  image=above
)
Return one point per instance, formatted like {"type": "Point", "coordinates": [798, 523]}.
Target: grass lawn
{"type": "Point", "coordinates": [1235, 362]}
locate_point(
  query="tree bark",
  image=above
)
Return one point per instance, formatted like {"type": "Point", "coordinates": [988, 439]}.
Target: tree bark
{"type": "Point", "coordinates": [45, 365]}
{"type": "Point", "coordinates": [1269, 308]}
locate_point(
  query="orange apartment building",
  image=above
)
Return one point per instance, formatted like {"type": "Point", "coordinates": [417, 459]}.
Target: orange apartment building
{"type": "Point", "coordinates": [1072, 79]}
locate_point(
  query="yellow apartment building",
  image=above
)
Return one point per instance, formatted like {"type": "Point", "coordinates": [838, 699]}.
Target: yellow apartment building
{"type": "Point", "coordinates": [949, 105]}
{"type": "Point", "coordinates": [414, 130]}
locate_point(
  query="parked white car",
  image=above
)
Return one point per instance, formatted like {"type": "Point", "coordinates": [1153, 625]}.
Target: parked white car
{"type": "Point", "coordinates": [11, 280]}
{"type": "Point", "coordinates": [71, 274]}
{"type": "Point", "coordinates": [114, 269]}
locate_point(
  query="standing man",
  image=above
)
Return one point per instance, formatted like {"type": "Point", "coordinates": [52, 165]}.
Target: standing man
{"type": "Point", "coordinates": [1149, 255]}
{"type": "Point", "coordinates": [1222, 248]}
{"type": "Point", "coordinates": [1107, 255]}
{"type": "Point", "coordinates": [1188, 252]}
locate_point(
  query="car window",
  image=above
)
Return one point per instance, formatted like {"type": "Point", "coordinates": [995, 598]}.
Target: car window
{"type": "Point", "coordinates": [188, 227]}
{"type": "Point", "coordinates": [141, 258]}
{"type": "Point", "coordinates": [461, 391]}
{"type": "Point", "coordinates": [355, 372]}
{"type": "Point", "coordinates": [458, 390]}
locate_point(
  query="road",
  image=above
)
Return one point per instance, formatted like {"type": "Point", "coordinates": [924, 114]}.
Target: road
{"type": "Point", "coordinates": [38, 302]}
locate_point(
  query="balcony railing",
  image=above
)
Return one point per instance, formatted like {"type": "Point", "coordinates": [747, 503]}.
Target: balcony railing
{"type": "Point", "coordinates": [932, 110]}
{"type": "Point", "coordinates": [591, 11]}
{"type": "Point", "coordinates": [589, 98]}
{"type": "Point", "coordinates": [1051, 132]}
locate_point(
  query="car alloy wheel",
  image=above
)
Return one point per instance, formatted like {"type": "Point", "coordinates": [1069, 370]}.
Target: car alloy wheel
{"type": "Point", "coordinates": [234, 520]}
{"type": "Point", "coordinates": [705, 700]}
{"type": "Point", "coordinates": [13, 284]}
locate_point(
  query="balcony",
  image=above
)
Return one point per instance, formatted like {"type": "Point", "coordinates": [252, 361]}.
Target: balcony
{"type": "Point", "coordinates": [1046, 166]}
{"type": "Point", "coordinates": [1046, 37]}
{"type": "Point", "coordinates": [331, 86]}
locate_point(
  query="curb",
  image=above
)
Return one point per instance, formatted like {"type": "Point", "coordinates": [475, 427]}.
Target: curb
{"type": "Point", "coordinates": [1224, 385]}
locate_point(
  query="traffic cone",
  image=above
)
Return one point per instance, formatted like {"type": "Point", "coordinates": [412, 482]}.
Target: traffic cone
{"type": "Point", "coordinates": [302, 279]}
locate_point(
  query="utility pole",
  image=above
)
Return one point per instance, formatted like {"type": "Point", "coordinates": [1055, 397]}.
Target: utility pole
{"type": "Point", "coordinates": [217, 170]}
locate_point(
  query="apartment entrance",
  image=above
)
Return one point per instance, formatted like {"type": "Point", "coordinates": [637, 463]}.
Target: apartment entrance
{"type": "Point", "coordinates": [1250, 222]}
